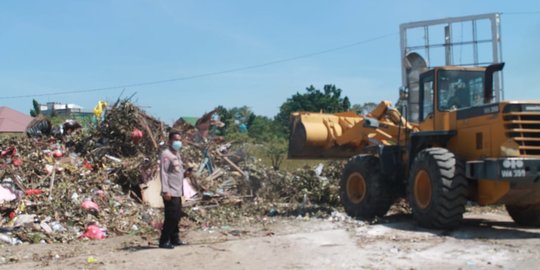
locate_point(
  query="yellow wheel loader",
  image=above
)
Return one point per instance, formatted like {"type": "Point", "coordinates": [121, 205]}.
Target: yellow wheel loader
{"type": "Point", "coordinates": [464, 146]}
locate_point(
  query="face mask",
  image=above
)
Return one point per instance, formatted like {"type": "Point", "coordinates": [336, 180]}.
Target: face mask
{"type": "Point", "coordinates": [176, 145]}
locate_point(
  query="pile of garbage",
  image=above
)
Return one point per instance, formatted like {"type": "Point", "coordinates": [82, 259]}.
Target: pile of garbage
{"type": "Point", "coordinates": [90, 183]}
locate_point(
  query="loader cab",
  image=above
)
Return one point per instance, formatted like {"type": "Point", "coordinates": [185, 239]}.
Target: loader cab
{"type": "Point", "coordinates": [459, 89]}
{"type": "Point", "coordinates": [444, 90]}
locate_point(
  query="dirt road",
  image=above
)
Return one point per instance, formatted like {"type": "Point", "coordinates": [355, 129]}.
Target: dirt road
{"type": "Point", "coordinates": [485, 241]}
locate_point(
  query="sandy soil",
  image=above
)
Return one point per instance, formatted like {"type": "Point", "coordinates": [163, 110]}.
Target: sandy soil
{"type": "Point", "coordinates": [487, 240]}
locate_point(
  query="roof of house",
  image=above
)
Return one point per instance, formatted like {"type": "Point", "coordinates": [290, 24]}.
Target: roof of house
{"type": "Point", "coordinates": [12, 120]}
{"type": "Point", "coordinates": [190, 120]}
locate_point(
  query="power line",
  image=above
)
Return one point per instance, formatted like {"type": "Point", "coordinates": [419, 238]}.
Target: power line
{"type": "Point", "coordinates": [521, 13]}
{"type": "Point", "coordinates": [208, 74]}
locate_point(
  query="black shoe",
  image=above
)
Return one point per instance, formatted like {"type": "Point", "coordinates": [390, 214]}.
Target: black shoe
{"type": "Point", "coordinates": [166, 245]}
{"type": "Point", "coordinates": [179, 243]}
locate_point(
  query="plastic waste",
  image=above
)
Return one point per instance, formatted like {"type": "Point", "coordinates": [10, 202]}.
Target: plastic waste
{"type": "Point", "coordinates": [46, 227]}
{"type": "Point", "coordinates": [17, 162]}
{"type": "Point", "coordinates": [24, 219]}
{"type": "Point", "coordinates": [91, 259]}
{"type": "Point", "coordinates": [6, 195]}
{"type": "Point", "coordinates": [273, 212]}
{"type": "Point", "coordinates": [10, 151]}
{"type": "Point", "coordinates": [94, 232]}
{"type": "Point", "coordinates": [136, 135]}
{"type": "Point", "coordinates": [57, 227]}
{"type": "Point", "coordinates": [100, 107]}
{"type": "Point", "coordinates": [57, 153]}
{"type": "Point", "coordinates": [88, 204]}
{"type": "Point", "coordinates": [87, 165]}
{"type": "Point", "coordinates": [10, 240]}
{"type": "Point", "coordinates": [115, 159]}
{"type": "Point", "coordinates": [33, 191]}
{"type": "Point", "coordinates": [318, 170]}
{"type": "Point", "coordinates": [100, 193]}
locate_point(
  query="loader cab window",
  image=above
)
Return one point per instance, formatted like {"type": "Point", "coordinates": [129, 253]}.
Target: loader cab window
{"type": "Point", "coordinates": [460, 89]}
{"type": "Point", "coordinates": [426, 95]}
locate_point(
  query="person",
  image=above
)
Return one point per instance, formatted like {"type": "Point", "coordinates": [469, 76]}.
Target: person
{"type": "Point", "coordinates": [458, 100]}
{"type": "Point", "coordinates": [461, 96]}
{"type": "Point", "coordinates": [454, 102]}
{"type": "Point", "coordinates": [172, 177]}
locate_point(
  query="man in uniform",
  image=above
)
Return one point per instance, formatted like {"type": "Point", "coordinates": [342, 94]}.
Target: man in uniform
{"type": "Point", "coordinates": [172, 177]}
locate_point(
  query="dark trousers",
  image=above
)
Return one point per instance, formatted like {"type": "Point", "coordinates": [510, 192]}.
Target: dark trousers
{"type": "Point", "coordinates": [169, 232]}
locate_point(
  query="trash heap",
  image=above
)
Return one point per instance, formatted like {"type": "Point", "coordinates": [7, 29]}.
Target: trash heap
{"type": "Point", "coordinates": [87, 184]}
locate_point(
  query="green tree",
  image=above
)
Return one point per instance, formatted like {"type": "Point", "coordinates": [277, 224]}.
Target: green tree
{"type": "Point", "coordinates": [233, 134]}
{"type": "Point", "coordinates": [224, 116]}
{"type": "Point", "coordinates": [36, 110]}
{"type": "Point", "coordinates": [243, 115]}
{"type": "Point", "coordinates": [276, 149]}
{"type": "Point", "coordinates": [263, 129]}
{"type": "Point", "coordinates": [233, 118]}
{"type": "Point", "coordinates": [346, 103]}
{"type": "Point", "coordinates": [314, 100]}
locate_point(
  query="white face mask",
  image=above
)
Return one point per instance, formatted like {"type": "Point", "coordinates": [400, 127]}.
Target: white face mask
{"type": "Point", "coordinates": [176, 145]}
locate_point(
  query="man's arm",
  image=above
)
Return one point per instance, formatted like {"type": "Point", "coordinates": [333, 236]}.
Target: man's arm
{"type": "Point", "coordinates": [164, 164]}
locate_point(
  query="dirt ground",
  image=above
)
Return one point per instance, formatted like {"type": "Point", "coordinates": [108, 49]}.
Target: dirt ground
{"type": "Point", "coordinates": [488, 239]}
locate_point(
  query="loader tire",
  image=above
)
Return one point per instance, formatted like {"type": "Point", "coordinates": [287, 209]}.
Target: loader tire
{"type": "Point", "coordinates": [528, 215]}
{"type": "Point", "coordinates": [437, 189]}
{"type": "Point", "coordinates": [364, 191]}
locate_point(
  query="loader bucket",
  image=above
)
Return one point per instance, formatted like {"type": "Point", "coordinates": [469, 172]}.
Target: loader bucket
{"type": "Point", "coordinates": [311, 137]}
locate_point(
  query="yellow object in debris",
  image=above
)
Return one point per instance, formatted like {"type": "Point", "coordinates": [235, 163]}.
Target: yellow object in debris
{"type": "Point", "coordinates": [100, 107]}
{"type": "Point", "coordinates": [91, 259]}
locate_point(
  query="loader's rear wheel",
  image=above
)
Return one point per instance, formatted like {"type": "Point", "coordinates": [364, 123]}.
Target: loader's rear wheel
{"type": "Point", "coordinates": [437, 189]}
{"type": "Point", "coordinates": [528, 215]}
{"type": "Point", "coordinates": [364, 191]}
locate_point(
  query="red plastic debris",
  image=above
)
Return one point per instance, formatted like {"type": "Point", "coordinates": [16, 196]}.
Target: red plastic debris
{"type": "Point", "coordinates": [94, 232]}
{"type": "Point", "coordinates": [58, 154]}
{"type": "Point", "coordinates": [87, 165]}
{"type": "Point", "coordinates": [32, 192]}
{"type": "Point", "coordinates": [89, 205]}
{"type": "Point", "coordinates": [136, 135]}
{"type": "Point", "coordinates": [17, 162]}
{"type": "Point", "coordinates": [11, 151]}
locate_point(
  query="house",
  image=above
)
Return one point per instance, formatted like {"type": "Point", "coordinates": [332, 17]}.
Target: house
{"type": "Point", "coordinates": [12, 121]}
{"type": "Point", "coordinates": [188, 119]}
{"type": "Point", "coordinates": [56, 108]}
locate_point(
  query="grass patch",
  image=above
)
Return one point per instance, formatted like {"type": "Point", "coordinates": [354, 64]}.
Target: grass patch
{"type": "Point", "coordinates": [257, 151]}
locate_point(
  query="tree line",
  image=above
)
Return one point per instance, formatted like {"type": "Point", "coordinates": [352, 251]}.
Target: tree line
{"type": "Point", "coordinates": [241, 123]}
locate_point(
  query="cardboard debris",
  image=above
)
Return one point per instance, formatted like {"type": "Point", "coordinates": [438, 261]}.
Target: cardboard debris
{"type": "Point", "coordinates": [151, 192]}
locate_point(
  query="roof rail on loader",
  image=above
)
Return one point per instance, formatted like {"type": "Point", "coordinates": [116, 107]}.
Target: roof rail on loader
{"type": "Point", "coordinates": [457, 41]}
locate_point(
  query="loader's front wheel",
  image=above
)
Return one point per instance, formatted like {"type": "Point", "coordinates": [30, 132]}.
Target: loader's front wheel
{"type": "Point", "coordinates": [528, 215]}
{"type": "Point", "coordinates": [437, 189]}
{"type": "Point", "coordinates": [364, 191]}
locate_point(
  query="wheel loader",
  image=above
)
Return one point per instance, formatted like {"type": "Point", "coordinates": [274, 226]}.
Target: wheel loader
{"type": "Point", "coordinates": [465, 146]}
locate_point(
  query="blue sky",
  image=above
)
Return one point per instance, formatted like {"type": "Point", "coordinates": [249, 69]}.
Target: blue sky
{"type": "Point", "coordinates": [57, 46]}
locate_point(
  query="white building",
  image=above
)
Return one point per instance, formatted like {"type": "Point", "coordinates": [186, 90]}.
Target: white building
{"type": "Point", "coordinates": [60, 108]}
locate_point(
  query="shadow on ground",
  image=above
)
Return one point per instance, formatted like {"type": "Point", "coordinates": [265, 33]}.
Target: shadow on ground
{"type": "Point", "coordinates": [471, 228]}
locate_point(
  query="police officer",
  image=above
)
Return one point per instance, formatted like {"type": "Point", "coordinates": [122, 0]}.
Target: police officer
{"type": "Point", "coordinates": [172, 175]}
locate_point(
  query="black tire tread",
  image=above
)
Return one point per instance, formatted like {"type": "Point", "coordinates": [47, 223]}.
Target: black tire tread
{"type": "Point", "coordinates": [449, 189]}
{"type": "Point", "coordinates": [378, 198]}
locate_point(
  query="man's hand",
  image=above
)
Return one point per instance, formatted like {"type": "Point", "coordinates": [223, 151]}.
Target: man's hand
{"type": "Point", "coordinates": [166, 196]}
